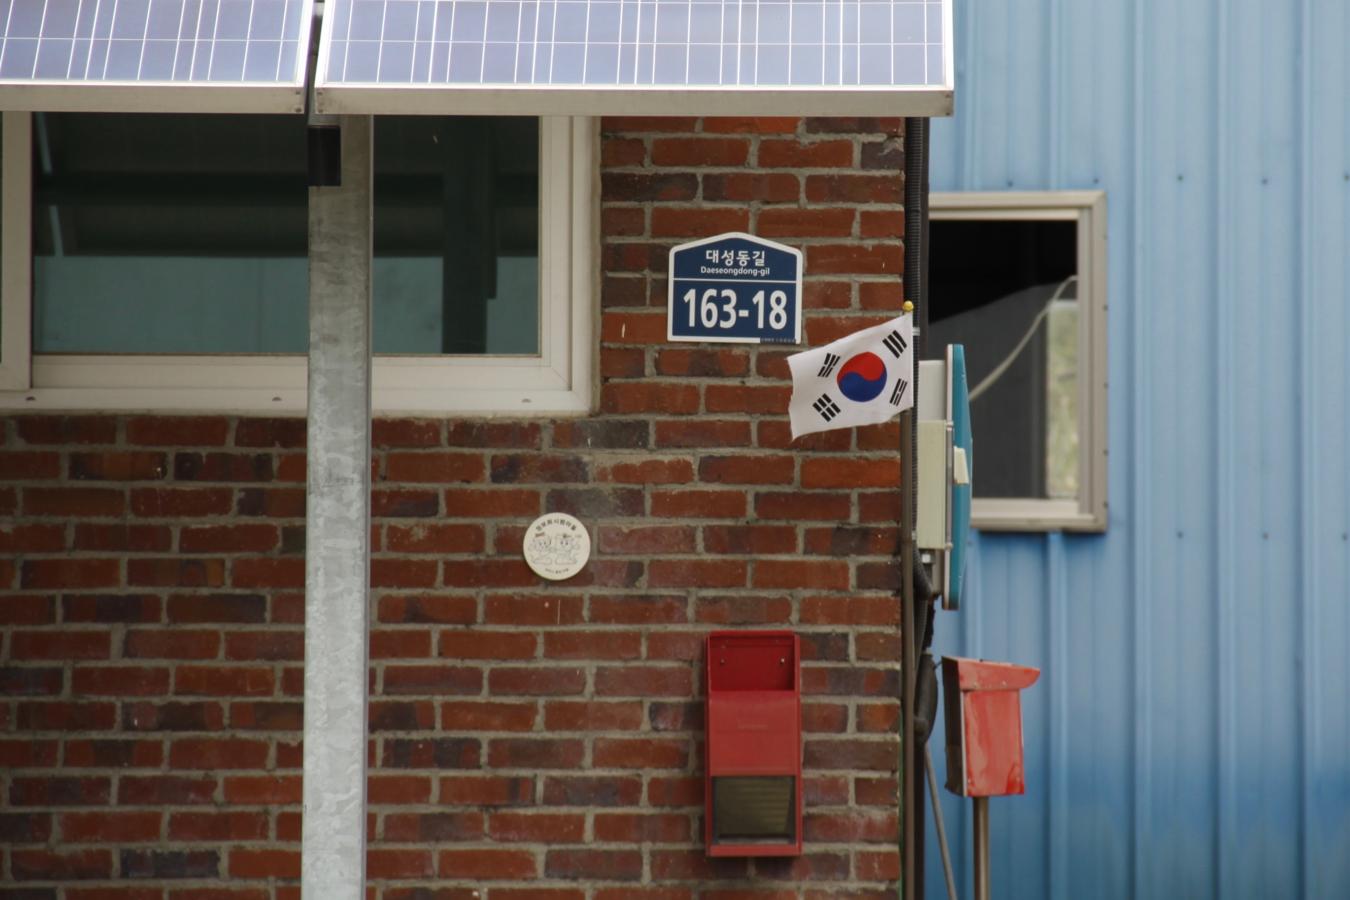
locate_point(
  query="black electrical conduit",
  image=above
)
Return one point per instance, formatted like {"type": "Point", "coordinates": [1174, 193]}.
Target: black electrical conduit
{"type": "Point", "coordinates": [918, 700]}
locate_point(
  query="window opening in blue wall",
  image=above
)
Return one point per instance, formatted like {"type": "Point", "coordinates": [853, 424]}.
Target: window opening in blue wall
{"type": "Point", "coordinates": [1007, 290]}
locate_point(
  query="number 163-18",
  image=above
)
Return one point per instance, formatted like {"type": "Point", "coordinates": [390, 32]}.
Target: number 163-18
{"type": "Point", "coordinates": [717, 308]}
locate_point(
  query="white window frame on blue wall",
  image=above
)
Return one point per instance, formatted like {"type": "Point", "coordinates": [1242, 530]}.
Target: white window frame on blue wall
{"type": "Point", "coordinates": [559, 380]}
{"type": "Point", "coordinates": [1087, 511]}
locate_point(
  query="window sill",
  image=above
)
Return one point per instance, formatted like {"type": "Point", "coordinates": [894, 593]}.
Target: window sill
{"type": "Point", "coordinates": [276, 385]}
{"type": "Point", "coordinates": [1035, 515]}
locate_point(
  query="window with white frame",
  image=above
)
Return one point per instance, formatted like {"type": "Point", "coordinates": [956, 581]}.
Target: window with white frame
{"type": "Point", "coordinates": [1020, 280]}
{"type": "Point", "coordinates": [160, 262]}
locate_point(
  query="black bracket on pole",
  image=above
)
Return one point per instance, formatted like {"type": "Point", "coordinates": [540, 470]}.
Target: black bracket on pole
{"type": "Point", "coordinates": [324, 153]}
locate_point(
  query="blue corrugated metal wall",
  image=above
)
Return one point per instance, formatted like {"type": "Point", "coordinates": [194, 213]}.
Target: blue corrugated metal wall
{"type": "Point", "coordinates": [1190, 736]}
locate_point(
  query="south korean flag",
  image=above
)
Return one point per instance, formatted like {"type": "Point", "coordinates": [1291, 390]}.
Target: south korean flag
{"type": "Point", "coordinates": [862, 379]}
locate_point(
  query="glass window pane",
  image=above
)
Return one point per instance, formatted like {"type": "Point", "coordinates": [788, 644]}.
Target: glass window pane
{"type": "Point", "coordinates": [1007, 290]}
{"type": "Point", "coordinates": [187, 234]}
{"type": "Point", "coordinates": [456, 235]}
{"type": "Point", "coordinates": [169, 234]}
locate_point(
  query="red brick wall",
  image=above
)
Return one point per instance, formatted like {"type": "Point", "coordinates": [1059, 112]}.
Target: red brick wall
{"type": "Point", "coordinates": [528, 740]}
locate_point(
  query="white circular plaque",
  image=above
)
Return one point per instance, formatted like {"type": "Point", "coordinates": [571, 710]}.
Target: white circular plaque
{"type": "Point", "coordinates": [557, 546]}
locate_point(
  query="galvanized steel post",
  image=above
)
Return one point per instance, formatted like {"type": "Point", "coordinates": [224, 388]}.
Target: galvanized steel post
{"type": "Point", "coordinates": [337, 523]}
{"type": "Point", "coordinates": [980, 805]}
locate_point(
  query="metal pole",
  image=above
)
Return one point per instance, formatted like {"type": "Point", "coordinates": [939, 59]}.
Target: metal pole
{"type": "Point", "coordinates": [908, 656]}
{"type": "Point", "coordinates": [337, 526]}
{"type": "Point", "coordinates": [981, 807]}
{"type": "Point", "coordinates": [941, 826]}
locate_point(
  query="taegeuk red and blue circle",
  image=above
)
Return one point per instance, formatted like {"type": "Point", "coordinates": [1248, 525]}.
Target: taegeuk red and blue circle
{"type": "Point", "coordinates": [862, 378]}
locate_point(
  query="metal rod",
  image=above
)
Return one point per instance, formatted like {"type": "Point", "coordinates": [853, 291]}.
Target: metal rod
{"type": "Point", "coordinates": [924, 256]}
{"type": "Point", "coordinates": [941, 825]}
{"type": "Point", "coordinates": [981, 807]}
{"type": "Point", "coordinates": [337, 527]}
{"type": "Point", "coordinates": [908, 656]}
{"type": "Point", "coordinates": [16, 248]}
{"type": "Point", "coordinates": [919, 611]}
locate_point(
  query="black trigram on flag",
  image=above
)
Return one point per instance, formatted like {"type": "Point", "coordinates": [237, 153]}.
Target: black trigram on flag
{"type": "Point", "coordinates": [831, 360]}
{"type": "Point", "coordinates": [894, 343]}
{"type": "Point", "coordinates": [827, 408]}
{"type": "Point", "coordinates": [899, 391]}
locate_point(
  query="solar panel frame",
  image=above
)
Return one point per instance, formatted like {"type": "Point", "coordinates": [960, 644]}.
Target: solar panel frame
{"type": "Point", "coordinates": [98, 32]}
{"type": "Point", "coordinates": [342, 91]}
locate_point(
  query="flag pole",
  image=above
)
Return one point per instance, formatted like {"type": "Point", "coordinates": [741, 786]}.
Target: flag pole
{"type": "Point", "coordinates": [915, 289]}
{"type": "Point", "coordinates": [908, 661]}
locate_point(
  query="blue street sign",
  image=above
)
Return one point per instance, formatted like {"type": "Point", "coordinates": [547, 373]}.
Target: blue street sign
{"type": "Point", "coordinates": [735, 288]}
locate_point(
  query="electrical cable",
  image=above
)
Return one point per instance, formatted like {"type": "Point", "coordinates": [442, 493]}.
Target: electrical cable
{"type": "Point", "coordinates": [941, 826]}
{"type": "Point", "coordinates": [988, 380]}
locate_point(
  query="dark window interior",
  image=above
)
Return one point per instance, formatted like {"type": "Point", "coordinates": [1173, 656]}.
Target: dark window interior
{"type": "Point", "coordinates": [989, 281]}
{"type": "Point", "coordinates": [188, 234]}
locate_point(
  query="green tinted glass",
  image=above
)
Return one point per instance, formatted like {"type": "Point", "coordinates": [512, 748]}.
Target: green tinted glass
{"type": "Point", "coordinates": [187, 234]}
{"type": "Point", "coordinates": [456, 235]}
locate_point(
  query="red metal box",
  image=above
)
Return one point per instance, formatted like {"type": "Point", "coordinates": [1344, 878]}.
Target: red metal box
{"type": "Point", "coordinates": [984, 725]}
{"type": "Point", "coordinates": [753, 777]}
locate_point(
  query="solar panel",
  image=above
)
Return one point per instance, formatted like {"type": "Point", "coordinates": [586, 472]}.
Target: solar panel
{"type": "Point", "coordinates": [154, 55]}
{"type": "Point", "coordinates": [709, 57]}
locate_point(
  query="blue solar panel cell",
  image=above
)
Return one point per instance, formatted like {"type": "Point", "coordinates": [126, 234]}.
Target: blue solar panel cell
{"type": "Point", "coordinates": [149, 42]}
{"type": "Point", "coordinates": [637, 43]}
